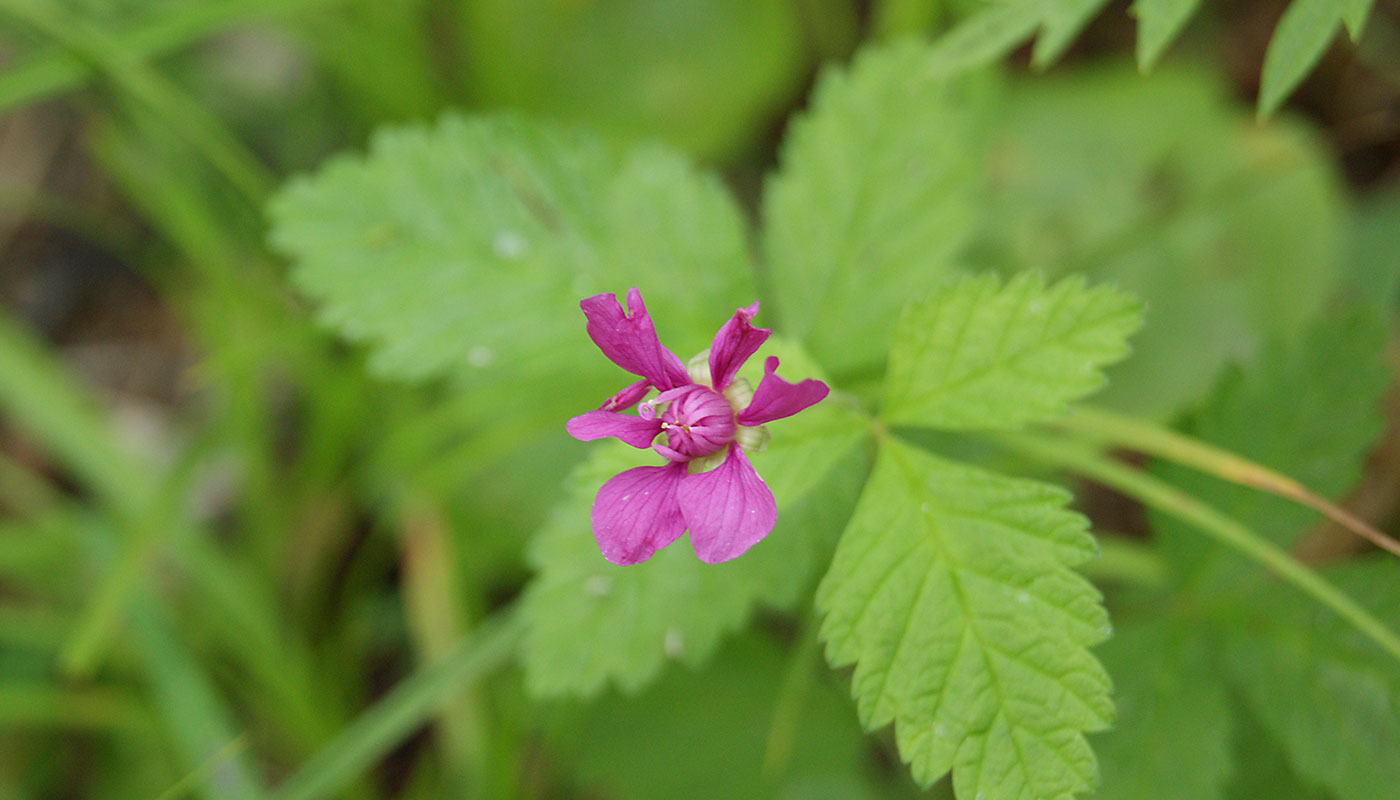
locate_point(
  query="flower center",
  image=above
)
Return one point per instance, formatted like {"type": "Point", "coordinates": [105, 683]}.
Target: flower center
{"type": "Point", "coordinates": [698, 421]}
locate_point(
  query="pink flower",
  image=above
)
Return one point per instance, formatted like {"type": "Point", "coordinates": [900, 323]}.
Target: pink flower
{"type": "Point", "coordinates": [706, 415]}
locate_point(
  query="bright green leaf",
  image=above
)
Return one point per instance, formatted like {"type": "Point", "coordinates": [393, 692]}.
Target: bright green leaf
{"type": "Point", "coordinates": [464, 249]}
{"type": "Point", "coordinates": [1309, 408]}
{"type": "Point", "coordinates": [952, 592]}
{"type": "Point", "coordinates": [1158, 23]}
{"type": "Point", "coordinates": [980, 354]}
{"type": "Point", "coordinates": [1327, 694]}
{"type": "Point", "coordinates": [873, 198]}
{"type": "Point", "coordinates": [1171, 740]}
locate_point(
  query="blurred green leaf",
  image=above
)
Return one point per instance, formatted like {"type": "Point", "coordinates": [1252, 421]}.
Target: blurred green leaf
{"type": "Point", "coordinates": [1171, 738]}
{"type": "Point", "coordinates": [1158, 23]}
{"type": "Point", "coordinates": [703, 75]}
{"type": "Point", "coordinates": [980, 354]}
{"type": "Point", "coordinates": [1228, 231]}
{"type": "Point", "coordinates": [1308, 408]}
{"type": "Point", "coordinates": [593, 623]}
{"type": "Point", "coordinates": [952, 592]}
{"type": "Point", "coordinates": [873, 198]}
{"type": "Point", "coordinates": [1298, 43]}
{"type": "Point", "coordinates": [622, 746]}
{"type": "Point", "coordinates": [1263, 769]}
{"type": "Point", "coordinates": [463, 249]}
{"type": "Point", "coordinates": [1328, 695]}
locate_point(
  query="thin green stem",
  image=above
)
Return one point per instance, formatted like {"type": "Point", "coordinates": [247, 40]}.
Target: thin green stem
{"type": "Point", "coordinates": [405, 709]}
{"type": "Point", "coordinates": [792, 695]}
{"type": "Point", "coordinates": [1168, 499]}
{"type": "Point", "coordinates": [1126, 561]}
{"type": "Point", "coordinates": [1104, 426]}
{"type": "Point", "coordinates": [148, 89]}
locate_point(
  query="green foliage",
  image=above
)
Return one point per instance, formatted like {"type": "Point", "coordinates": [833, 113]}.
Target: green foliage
{"type": "Point", "coordinates": [952, 592]}
{"type": "Point", "coordinates": [621, 746]}
{"type": "Point", "coordinates": [979, 354]}
{"type": "Point", "coordinates": [1228, 231]}
{"type": "Point", "coordinates": [873, 199]}
{"type": "Point", "coordinates": [431, 247]}
{"type": "Point", "coordinates": [1333, 380]}
{"type": "Point", "coordinates": [1298, 42]}
{"type": "Point", "coordinates": [1340, 722]}
{"type": "Point", "coordinates": [703, 76]}
{"type": "Point", "coordinates": [1172, 736]}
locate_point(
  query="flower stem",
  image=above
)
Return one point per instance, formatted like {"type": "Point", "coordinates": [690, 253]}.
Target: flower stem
{"type": "Point", "coordinates": [1105, 426]}
{"type": "Point", "coordinates": [792, 695]}
{"type": "Point", "coordinates": [1168, 499]}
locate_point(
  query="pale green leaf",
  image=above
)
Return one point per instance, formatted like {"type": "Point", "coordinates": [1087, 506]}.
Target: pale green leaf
{"type": "Point", "coordinates": [1159, 22]}
{"type": "Point", "coordinates": [1171, 739]}
{"type": "Point", "coordinates": [980, 354]}
{"type": "Point", "coordinates": [1308, 408]}
{"type": "Point", "coordinates": [593, 623]}
{"type": "Point", "coordinates": [1327, 694]}
{"type": "Point", "coordinates": [873, 198]}
{"type": "Point", "coordinates": [464, 248]}
{"type": "Point", "coordinates": [1302, 36]}
{"type": "Point", "coordinates": [1229, 231]}
{"type": "Point", "coordinates": [952, 592]}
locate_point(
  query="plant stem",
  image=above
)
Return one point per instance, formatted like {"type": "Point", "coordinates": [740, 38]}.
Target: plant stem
{"type": "Point", "coordinates": [1170, 500]}
{"type": "Point", "coordinates": [407, 707]}
{"type": "Point", "coordinates": [792, 694]}
{"type": "Point", "coordinates": [1105, 426]}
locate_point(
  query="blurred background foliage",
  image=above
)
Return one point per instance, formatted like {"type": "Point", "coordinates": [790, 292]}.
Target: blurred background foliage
{"type": "Point", "coordinates": [226, 533]}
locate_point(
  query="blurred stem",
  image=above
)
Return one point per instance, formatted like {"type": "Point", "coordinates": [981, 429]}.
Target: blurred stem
{"type": "Point", "coordinates": [406, 708]}
{"type": "Point", "coordinates": [175, 27]}
{"type": "Point", "coordinates": [436, 623]}
{"type": "Point", "coordinates": [1100, 425]}
{"type": "Point", "coordinates": [147, 88]}
{"type": "Point", "coordinates": [1168, 499]}
{"type": "Point", "coordinates": [792, 697]}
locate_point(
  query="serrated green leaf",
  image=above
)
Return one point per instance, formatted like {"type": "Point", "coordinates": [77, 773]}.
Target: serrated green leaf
{"type": "Point", "coordinates": [1158, 23]}
{"type": "Point", "coordinates": [1228, 231]}
{"type": "Point", "coordinates": [980, 354]}
{"type": "Point", "coordinates": [1328, 695]}
{"type": "Point", "coordinates": [593, 623]}
{"type": "Point", "coordinates": [952, 592]}
{"type": "Point", "coordinates": [464, 248]}
{"type": "Point", "coordinates": [873, 198]}
{"type": "Point", "coordinates": [1171, 740]}
{"type": "Point", "coordinates": [1302, 36]}
{"type": "Point", "coordinates": [1308, 408]}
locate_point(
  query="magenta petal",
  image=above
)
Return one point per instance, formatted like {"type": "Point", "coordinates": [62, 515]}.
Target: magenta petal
{"type": "Point", "coordinates": [629, 339]}
{"type": "Point", "coordinates": [636, 513]}
{"type": "Point", "coordinates": [775, 398]}
{"type": "Point", "coordinates": [592, 425]}
{"type": "Point", "coordinates": [628, 397]}
{"type": "Point", "coordinates": [735, 341]}
{"type": "Point", "coordinates": [728, 509]}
